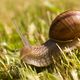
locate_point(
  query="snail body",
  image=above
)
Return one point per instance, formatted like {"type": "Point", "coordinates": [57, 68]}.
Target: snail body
{"type": "Point", "coordinates": [64, 31]}
{"type": "Point", "coordinates": [42, 56]}
{"type": "Point", "coordinates": [38, 55]}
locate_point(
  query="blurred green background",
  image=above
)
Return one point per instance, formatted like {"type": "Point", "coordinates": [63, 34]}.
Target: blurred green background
{"type": "Point", "coordinates": [33, 16]}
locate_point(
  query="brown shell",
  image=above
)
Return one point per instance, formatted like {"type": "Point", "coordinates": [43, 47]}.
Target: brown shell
{"type": "Point", "coordinates": [65, 26]}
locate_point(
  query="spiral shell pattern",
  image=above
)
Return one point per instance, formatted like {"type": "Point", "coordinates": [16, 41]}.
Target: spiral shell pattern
{"type": "Point", "coordinates": [65, 26]}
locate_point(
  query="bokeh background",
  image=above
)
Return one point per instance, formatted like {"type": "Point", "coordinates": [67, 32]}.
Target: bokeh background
{"type": "Point", "coordinates": [34, 16]}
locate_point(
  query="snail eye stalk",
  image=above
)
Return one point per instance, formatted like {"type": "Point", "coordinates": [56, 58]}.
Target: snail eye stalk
{"type": "Point", "coordinates": [24, 40]}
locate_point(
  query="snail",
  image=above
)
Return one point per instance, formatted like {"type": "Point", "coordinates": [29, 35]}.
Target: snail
{"type": "Point", "coordinates": [64, 32]}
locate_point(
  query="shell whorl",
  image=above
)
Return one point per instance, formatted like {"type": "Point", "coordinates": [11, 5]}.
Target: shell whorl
{"type": "Point", "coordinates": [65, 26]}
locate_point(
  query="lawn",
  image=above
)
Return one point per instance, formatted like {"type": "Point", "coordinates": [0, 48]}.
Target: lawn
{"type": "Point", "coordinates": [33, 18]}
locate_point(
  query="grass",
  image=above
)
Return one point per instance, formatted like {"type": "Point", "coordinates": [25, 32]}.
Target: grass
{"type": "Point", "coordinates": [34, 20]}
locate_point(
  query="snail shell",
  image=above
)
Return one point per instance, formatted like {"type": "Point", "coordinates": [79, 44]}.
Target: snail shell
{"type": "Point", "coordinates": [64, 31]}
{"type": "Point", "coordinates": [66, 26]}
